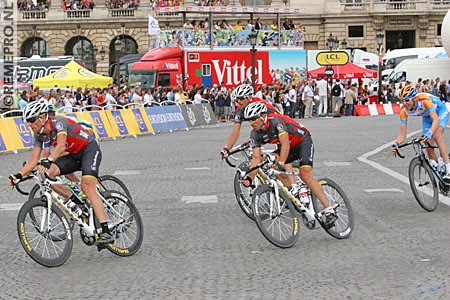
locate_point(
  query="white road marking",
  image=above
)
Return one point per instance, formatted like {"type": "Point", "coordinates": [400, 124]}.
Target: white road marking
{"type": "Point", "coordinates": [364, 158]}
{"type": "Point", "coordinates": [10, 206]}
{"type": "Point", "coordinates": [200, 199]}
{"type": "Point", "coordinates": [336, 163]}
{"type": "Point", "coordinates": [129, 172]}
{"type": "Point", "coordinates": [200, 168]}
{"type": "Point", "coordinates": [390, 190]}
{"type": "Point", "coordinates": [1, 177]}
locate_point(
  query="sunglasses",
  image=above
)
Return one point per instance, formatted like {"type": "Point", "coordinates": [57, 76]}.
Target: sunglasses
{"type": "Point", "coordinates": [240, 99]}
{"type": "Point", "coordinates": [253, 120]}
{"type": "Point", "coordinates": [32, 119]}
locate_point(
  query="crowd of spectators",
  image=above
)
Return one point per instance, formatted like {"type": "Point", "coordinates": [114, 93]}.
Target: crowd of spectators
{"type": "Point", "coordinates": [29, 5]}
{"type": "Point", "coordinates": [249, 25]}
{"type": "Point", "coordinates": [165, 3]}
{"type": "Point", "coordinates": [77, 4]}
{"type": "Point", "coordinates": [124, 4]}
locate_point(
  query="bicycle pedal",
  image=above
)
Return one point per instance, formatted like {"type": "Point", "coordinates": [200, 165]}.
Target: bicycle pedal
{"type": "Point", "coordinates": [100, 247]}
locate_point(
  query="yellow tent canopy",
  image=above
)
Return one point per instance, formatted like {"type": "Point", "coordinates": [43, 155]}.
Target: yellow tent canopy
{"type": "Point", "coordinates": [72, 75]}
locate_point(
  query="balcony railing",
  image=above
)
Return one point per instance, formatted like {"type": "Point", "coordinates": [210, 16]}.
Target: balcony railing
{"type": "Point", "coordinates": [29, 15]}
{"type": "Point", "coordinates": [78, 14]}
{"type": "Point", "coordinates": [395, 6]}
{"type": "Point", "coordinates": [122, 12]}
{"type": "Point", "coordinates": [230, 38]}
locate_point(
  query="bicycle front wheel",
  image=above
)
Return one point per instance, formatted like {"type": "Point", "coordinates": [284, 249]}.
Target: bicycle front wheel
{"type": "Point", "coordinates": [278, 222]}
{"type": "Point", "coordinates": [423, 184]}
{"type": "Point", "coordinates": [128, 228]}
{"type": "Point", "coordinates": [243, 193]}
{"type": "Point", "coordinates": [46, 238]}
{"type": "Point", "coordinates": [343, 226]}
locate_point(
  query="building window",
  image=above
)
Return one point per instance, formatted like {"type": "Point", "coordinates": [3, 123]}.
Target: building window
{"type": "Point", "coordinates": [439, 28]}
{"type": "Point", "coordinates": [355, 31]}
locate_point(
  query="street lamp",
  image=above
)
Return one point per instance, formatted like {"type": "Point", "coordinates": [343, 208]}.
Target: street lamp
{"type": "Point", "coordinates": [380, 38]}
{"type": "Point", "coordinates": [252, 36]}
{"type": "Point", "coordinates": [118, 49]}
{"type": "Point", "coordinates": [344, 44]}
{"type": "Point", "coordinates": [332, 41]}
{"type": "Point", "coordinates": [94, 59]}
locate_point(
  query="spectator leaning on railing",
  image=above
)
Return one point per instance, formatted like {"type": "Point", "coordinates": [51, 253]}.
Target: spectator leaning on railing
{"type": "Point", "coordinates": [28, 5]}
{"type": "Point", "coordinates": [124, 4]}
{"type": "Point", "coordinates": [77, 4]}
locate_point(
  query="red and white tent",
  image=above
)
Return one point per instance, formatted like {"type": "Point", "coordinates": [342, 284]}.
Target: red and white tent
{"type": "Point", "coordinates": [347, 71]}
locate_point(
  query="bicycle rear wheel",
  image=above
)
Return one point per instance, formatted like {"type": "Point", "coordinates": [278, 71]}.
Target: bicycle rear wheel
{"type": "Point", "coordinates": [279, 228]}
{"type": "Point", "coordinates": [46, 239]}
{"type": "Point", "coordinates": [128, 228]}
{"type": "Point", "coordinates": [343, 226]}
{"type": "Point", "coordinates": [111, 182]}
{"type": "Point", "coordinates": [423, 184]}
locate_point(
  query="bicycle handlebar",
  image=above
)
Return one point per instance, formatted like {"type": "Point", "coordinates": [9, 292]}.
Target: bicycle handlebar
{"type": "Point", "coordinates": [17, 185]}
{"type": "Point", "coordinates": [234, 150]}
{"type": "Point", "coordinates": [418, 141]}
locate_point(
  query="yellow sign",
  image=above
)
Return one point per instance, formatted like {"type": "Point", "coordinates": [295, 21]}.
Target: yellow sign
{"type": "Point", "coordinates": [332, 58]}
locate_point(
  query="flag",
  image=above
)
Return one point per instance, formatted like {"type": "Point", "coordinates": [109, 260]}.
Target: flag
{"type": "Point", "coordinates": [153, 26]}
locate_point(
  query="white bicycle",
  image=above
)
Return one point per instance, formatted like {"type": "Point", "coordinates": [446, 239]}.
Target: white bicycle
{"type": "Point", "coordinates": [46, 234]}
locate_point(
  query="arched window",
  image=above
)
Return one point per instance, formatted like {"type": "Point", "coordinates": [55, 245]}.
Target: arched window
{"type": "Point", "coordinates": [81, 49]}
{"type": "Point", "coordinates": [34, 46]}
{"type": "Point", "coordinates": [129, 46]}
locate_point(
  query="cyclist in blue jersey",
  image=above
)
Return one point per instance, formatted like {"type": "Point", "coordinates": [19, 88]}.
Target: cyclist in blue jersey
{"type": "Point", "coordinates": [434, 115]}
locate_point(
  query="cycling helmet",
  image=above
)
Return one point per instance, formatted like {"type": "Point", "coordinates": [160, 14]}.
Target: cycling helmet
{"type": "Point", "coordinates": [233, 95]}
{"type": "Point", "coordinates": [244, 90]}
{"type": "Point", "coordinates": [254, 110]}
{"type": "Point", "coordinates": [407, 92]}
{"type": "Point", "coordinates": [51, 108]}
{"type": "Point", "coordinates": [35, 109]}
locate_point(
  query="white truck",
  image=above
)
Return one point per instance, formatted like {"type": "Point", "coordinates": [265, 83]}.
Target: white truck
{"type": "Point", "coordinates": [425, 68]}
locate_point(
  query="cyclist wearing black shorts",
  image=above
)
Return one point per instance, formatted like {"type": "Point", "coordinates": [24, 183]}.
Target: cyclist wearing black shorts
{"type": "Point", "coordinates": [295, 143]}
{"type": "Point", "coordinates": [74, 149]}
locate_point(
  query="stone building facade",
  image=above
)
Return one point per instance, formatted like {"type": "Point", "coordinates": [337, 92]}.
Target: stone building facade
{"type": "Point", "coordinates": [415, 23]}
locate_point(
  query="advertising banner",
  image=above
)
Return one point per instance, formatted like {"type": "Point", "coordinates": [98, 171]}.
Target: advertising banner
{"type": "Point", "coordinates": [198, 114]}
{"type": "Point", "coordinates": [165, 118]}
{"type": "Point", "coordinates": [118, 119]}
{"type": "Point", "coordinates": [6, 143]}
{"type": "Point", "coordinates": [20, 133]}
{"type": "Point", "coordinates": [140, 117]}
{"type": "Point", "coordinates": [101, 124]}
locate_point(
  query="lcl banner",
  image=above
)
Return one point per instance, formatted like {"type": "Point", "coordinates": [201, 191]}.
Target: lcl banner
{"type": "Point", "coordinates": [140, 120]}
{"type": "Point", "coordinates": [6, 144]}
{"type": "Point", "coordinates": [166, 118]}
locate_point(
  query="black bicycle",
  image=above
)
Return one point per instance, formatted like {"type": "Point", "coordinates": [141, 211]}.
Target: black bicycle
{"type": "Point", "coordinates": [425, 180]}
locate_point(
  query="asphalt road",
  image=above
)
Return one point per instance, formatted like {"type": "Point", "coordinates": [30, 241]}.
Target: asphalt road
{"type": "Point", "coordinates": [199, 245]}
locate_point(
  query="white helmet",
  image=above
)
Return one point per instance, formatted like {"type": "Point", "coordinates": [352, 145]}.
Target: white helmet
{"type": "Point", "coordinates": [254, 110]}
{"type": "Point", "coordinates": [35, 109]}
{"type": "Point", "coordinates": [233, 95]}
{"type": "Point", "coordinates": [244, 90]}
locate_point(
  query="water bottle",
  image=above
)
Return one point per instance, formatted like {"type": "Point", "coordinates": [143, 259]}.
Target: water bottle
{"type": "Point", "coordinates": [434, 164]}
{"type": "Point", "coordinates": [304, 197]}
{"type": "Point", "coordinates": [79, 195]}
{"type": "Point", "coordinates": [73, 207]}
{"type": "Point", "coordinates": [441, 165]}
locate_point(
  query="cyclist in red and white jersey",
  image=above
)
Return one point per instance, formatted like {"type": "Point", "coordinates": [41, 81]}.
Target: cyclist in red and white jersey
{"type": "Point", "coordinates": [74, 149]}
{"type": "Point", "coordinates": [295, 143]}
{"type": "Point", "coordinates": [243, 96]}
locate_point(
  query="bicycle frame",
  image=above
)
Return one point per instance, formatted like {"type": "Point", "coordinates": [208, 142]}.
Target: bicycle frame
{"type": "Point", "coordinates": [268, 176]}
{"type": "Point", "coordinates": [88, 223]}
{"type": "Point", "coordinates": [419, 147]}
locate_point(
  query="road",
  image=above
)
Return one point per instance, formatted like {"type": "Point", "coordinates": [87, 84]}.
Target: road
{"type": "Point", "coordinates": [199, 245]}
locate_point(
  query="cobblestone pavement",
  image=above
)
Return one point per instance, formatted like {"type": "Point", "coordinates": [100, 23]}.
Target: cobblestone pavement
{"type": "Point", "coordinates": [211, 250]}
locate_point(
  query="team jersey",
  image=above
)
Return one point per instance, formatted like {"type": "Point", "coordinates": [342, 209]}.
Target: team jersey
{"type": "Point", "coordinates": [426, 103]}
{"type": "Point", "coordinates": [77, 136]}
{"type": "Point", "coordinates": [239, 116]}
{"type": "Point", "coordinates": [276, 126]}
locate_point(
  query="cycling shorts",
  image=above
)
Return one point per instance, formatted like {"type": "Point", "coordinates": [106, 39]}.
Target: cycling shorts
{"type": "Point", "coordinates": [427, 121]}
{"type": "Point", "coordinates": [87, 160]}
{"type": "Point", "coordinates": [303, 151]}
